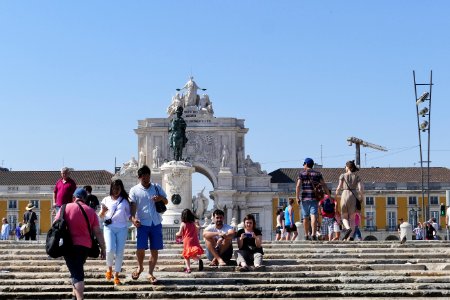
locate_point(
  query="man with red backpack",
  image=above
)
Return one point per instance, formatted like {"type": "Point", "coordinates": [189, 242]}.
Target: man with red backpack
{"type": "Point", "coordinates": [328, 210]}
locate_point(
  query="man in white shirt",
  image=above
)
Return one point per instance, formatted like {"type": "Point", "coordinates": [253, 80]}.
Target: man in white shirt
{"type": "Point", "coordinates": [147, 221]}
{"type": "Point", "coordinates": [218, 239]}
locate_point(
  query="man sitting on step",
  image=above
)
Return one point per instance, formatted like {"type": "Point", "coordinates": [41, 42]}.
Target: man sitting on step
{"type": "Point", "coordinates": [218, 239]}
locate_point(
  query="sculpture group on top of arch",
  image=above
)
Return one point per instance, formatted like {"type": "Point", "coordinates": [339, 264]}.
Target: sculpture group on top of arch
{"type": "Point", "coordinates": [190, 100]}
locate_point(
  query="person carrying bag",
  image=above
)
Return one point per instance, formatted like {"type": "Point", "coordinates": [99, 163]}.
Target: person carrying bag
{"type": "Point", "coordinates": [349, 203]}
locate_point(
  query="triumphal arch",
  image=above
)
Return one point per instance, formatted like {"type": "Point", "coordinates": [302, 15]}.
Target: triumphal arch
{"type": "Point", "coordinates": [216, 149]}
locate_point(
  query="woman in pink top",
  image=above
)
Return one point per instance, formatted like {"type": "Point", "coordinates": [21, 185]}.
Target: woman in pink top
{"type": "Point", "coordinates": [81, 239]}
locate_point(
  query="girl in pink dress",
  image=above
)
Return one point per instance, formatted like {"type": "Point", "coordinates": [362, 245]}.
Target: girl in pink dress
{"type": "Point", "coordinates": [191, 245]}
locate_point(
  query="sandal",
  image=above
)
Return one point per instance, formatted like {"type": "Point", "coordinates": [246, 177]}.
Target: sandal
{"type": "Point", "coordinates": [135, 275]}
{"type": "Point", "coordinates": [187, 270]}
{"type": "Point", "coordinates": [152, 279]}
{"type": "Point", "coordinates": [222, 263]}
{"type": "Point", "coordinates": [213, 263]}
{"type": "Point", "coordinates": [108, 275]}
{"type": "Point", "coordinates": [117, 281]}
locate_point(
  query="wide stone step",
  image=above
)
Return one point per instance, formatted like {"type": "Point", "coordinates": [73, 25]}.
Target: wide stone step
{"type": "Point", "coordinates": [97, 277]}
{"type": "Point", "coordinates": [40, 252]}
{"type": "Point", "coordinates": [245, 285]}
{"type": "Point", "coordinates": [269, 262]}
{"type": "Point", "coordinates": [293, 269]}
{"type": "Point", "coordinates": [270, 244]}
{"type": "Point", "coordinates": [211, 281]}
{"type": "Point", "coordinates": [243, 294]}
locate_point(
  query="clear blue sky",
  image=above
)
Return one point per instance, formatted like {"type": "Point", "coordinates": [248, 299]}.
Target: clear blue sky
{"type": "Point", "coordinates": [75, 76]}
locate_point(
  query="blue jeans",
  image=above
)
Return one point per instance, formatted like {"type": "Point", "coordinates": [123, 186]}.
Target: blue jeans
{"type": "Point", "coordinates": [357, 233]}
{"type": "Point", "coordinates": [115, 239]}
{"type": "Point", "coordinates": [310, 207]}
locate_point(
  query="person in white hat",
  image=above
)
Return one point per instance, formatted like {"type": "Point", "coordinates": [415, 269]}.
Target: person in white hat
{"type": "Point", "coordinates": [29, 218]}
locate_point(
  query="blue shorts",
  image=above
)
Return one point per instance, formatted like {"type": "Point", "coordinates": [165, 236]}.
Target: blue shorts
{"type": "Point", "coordinates": [310, 207]}
{"type": "Point", "coordinates": [151, 233]}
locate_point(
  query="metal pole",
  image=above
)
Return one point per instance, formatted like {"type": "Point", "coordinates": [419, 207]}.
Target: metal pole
{"type": "Point", "coordinates": [420, 148]}
{"type": "Point", "coordinates": [429, 140]}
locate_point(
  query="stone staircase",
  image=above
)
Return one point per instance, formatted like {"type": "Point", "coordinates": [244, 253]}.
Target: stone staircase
{"type": "Point", "coordinates": [293, 270]}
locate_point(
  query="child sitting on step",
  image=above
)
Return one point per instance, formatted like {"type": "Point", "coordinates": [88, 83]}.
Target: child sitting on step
{"type": "Point", "coordinates": [191, 245]}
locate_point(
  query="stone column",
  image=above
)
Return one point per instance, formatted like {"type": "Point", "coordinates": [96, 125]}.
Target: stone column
{"type": "Point", "coordinates": [177, 183]}
{"type": "Point", "coordinates": [225, 179]}
{"type": "Point", "coordinates": [243, 208]}
{"type": "Point", "coordinates": [229, 214]}
{"type": "Point", "coordinates": [224, 201]}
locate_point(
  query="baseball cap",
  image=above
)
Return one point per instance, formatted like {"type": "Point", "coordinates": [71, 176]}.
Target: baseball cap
{"type": "Point", "coordinates": [80, 193]}
{"type": "Point", "coordinates": [308, 161]}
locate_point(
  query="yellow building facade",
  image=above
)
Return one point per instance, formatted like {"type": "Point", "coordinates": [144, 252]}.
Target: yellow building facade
{"type": "Point", "coordinates": [390, 194]}
{"type": "Point", "coordinates": [18, 188]}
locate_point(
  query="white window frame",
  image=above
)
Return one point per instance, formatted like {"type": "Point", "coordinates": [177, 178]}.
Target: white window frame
{"type": "Point", "coordinates": [13, 220]}
{"type": "Point", "coordinates": [434, 197]}
{"type": "Point", "coordinates": [282, 200]}
{"type": "Point", "coordinates": [391, 221]}
{"type": "Point", "coordinates": [412, 204]}
{"type": "Point", "coordinates": [34, 202]}
{"type": "Point", "coordinates": [373, 201]}
{"type": "Point", "coordinates": [391, 197]}
{"type": "Point", "coordinates": [435, 214]}
{"type": "Point", "coordinates": [370, 222]}
{"type": "Point", "coordinates": [12, 201]}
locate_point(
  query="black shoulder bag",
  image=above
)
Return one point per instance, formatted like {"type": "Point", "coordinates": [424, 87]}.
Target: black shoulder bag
{"type": "Point", "coordinates": [358, 202]}
{"type": "Point", "coordinates": [159, 205]}
{"type": "Point", "coordinates": [94, 251]}
{"type": "Point", "coordinates": [58, 241]}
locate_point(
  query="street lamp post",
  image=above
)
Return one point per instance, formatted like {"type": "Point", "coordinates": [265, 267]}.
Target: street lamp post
{"type": "Point", "coordinates": [413, 217]}
{"type": "Point", "coordinates": [423, 112]}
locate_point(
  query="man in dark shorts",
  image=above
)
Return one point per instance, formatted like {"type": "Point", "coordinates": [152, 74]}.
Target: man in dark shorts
{"type": "Point", "coordinates": [218, 240]}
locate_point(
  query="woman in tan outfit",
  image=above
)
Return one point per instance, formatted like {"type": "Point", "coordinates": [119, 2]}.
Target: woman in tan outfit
{"type": "Point", "coordinates": [350, 184]}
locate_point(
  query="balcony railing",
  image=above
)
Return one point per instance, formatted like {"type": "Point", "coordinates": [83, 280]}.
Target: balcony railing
{"type": "Point", "coordinates": [391, 228]}
{"type": "Point", "coordinates": [370, 228]}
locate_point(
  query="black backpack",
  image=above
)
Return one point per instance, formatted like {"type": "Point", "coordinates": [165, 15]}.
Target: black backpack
{"type": "Point", "coordinates": [328, 206]}
{"type": "Point", "coordinates": [58, 240]}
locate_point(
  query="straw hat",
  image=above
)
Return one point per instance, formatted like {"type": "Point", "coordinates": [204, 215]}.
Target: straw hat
{"type": "Point", "coordinates": [30, 206]}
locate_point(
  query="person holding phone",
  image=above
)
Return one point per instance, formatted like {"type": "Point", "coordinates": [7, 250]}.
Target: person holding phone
{"type": "Point", "coordinates": [249, 240]}
{"type": "Point", "coordinates": [115, 212]}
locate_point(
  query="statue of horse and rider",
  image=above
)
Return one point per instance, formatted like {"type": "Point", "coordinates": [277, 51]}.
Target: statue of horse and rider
{"type": "Point", "coordinates": [177, 135]}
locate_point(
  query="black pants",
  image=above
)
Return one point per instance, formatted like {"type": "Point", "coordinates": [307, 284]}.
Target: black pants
{"type": "Point", "coordinates": [30, 235]}
{"type": "Point", "coordinates": [75, 259]}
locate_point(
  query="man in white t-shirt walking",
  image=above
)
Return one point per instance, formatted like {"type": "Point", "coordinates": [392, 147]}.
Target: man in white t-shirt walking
{"type": "Point", "coordinates": [147, 221]}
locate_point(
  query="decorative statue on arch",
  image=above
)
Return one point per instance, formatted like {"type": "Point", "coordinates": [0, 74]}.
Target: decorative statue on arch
{"type": "Point", "coordinates": [191, 97]}
{"type": "Point", "coordinates": [177, 135]}
{"type": "Point", "coordinates": [200, 204]}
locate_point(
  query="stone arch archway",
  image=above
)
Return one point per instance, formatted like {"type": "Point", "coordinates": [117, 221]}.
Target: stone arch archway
{"type": "Point", "coordinates": [392, 238]}
{"type": "Point", "coordinates": [216, 149]}
{"type": "Point", "coordinates": [206, 171]}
